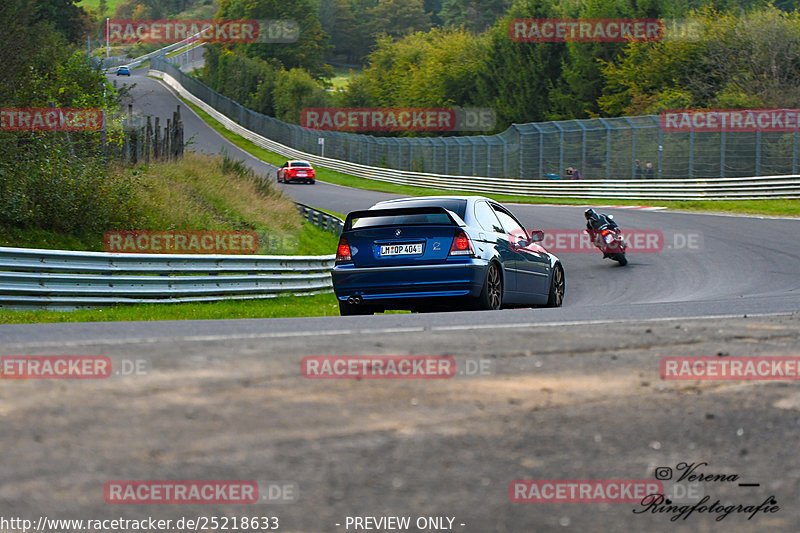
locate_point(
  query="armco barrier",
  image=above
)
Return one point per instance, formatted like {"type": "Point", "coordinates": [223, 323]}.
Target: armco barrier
{"type": "Point", "coordinates": [31, 278]}
{"type": "Point", "coordinates": [659, 189]}
{"type": "Point", "coordinates": [321, 219]}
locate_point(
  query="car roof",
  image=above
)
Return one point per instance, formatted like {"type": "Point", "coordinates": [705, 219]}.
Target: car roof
{"type": "Point", "coordinates": [292, 161]}
{"type": "Point", "coordinates": [418, 198]}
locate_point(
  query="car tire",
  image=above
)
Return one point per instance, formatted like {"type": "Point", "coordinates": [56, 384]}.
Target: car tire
{"type": "Point", "coordinates": [491, 297]}
{"type": "Point", "coordinates": [346, 309]}
{"type": "Point", "coordinates": [558, 287]}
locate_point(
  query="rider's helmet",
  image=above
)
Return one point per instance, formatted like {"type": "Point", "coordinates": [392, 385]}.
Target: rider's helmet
{"type": "Point", "coordinates": [590, 214]}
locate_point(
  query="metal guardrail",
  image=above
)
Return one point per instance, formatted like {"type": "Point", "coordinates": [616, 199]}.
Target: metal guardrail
{"type": "Point", "coordinates": [57, 279]}
{"type": "Point", "coordinates": [602, 148]}
{"type": "Point", "coordinates": [321, 219]}
{"type": "Point", "coordinates": [110, 63]}
{"type": "Point", "coordinates": [661, 189]}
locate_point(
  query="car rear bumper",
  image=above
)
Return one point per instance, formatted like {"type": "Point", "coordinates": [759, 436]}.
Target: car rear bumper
{"type": "Point", "coordinates": [423, 281]}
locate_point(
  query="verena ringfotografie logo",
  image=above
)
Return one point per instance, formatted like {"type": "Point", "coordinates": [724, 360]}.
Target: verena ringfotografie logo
{"type": "Point", "coordinates": [207, 31]}
{"type": "Point", "coordinates": [558, 30]}
{"type": "Point", "coordinates": [181, 242]}
{"type": "Point", "coordinates": [583, 490]}
{"type": "Point", "coordinates": [730, 120]}
{"type": "Point", "coordinates": [55, 367]}
{"type": "Point", "coordinates": [397, 119]}
{"type": "Point", "coordinates": [730, 368]}
{"type": "Point", "coordinates": [378, 367]}
{"type": "Point", "coordinates": [50, 119]}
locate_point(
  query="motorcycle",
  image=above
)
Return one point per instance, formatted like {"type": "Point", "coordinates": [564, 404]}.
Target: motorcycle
{"type": "Point", "coordinates": [611, 242]}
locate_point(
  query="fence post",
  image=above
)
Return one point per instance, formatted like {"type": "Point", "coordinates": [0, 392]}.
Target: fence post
{"type": "Point", "coordinates": [633, 147]}
{"type": "Point", "coordinates": [583, 146]}
{"type": "Point", "coordinates": [474, 157]}
{"type": "Point", "coordinates": [541, 150]}
{"type": "Point", "coordinates": [794, 155]}
{"type": "Point", "coordinates": [608, 147]}
{"type": "Point", "coordinates": [148, 139]}
{"type": "Point", "coordinates": [722, 154]}
{"type": "Point", "coordinates": [505, 159]}
{"type": "Point", "coordinates": [157, 140]}
{"type": "Point", "coordinates": [560, 149]}
{"type": "Point", "coordinates": [660, 144]}
{"type": "Point", "coordinates": [488, 156]}
{"type": "Point", "coordinates": [167, 141]}
{"type": "Point", "coordinates": [691, 152]}
{"type": "Point", "coordinates": [758, 152]}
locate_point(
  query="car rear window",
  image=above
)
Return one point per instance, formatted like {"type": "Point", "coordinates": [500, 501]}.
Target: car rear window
{"type": "Point", "coordinates": [403, 220]}
{"type": "Point", "coordinates": [457, 206]}
{"type": "Point", "coordinates": [295, 164]}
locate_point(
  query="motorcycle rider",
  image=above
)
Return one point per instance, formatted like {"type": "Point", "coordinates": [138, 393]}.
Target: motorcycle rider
{"type": "Point", "coordinates": [598, 221]}
{"type": "Point", "coordinates": [595, 222]}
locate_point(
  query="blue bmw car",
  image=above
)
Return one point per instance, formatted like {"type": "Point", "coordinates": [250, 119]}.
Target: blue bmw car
{"type": "Point", "coordinates": [445, 252]}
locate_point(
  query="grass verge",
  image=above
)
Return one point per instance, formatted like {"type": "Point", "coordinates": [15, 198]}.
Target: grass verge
{"type": "Point", "coordinates": [283, 306]}
{"type": "Point", "coordinates": [757, 207]}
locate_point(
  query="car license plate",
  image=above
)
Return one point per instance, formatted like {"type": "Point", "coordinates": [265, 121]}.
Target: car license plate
{"type": "Point", "coordinates": [401, 249]}
{"type": "Point", "coordinates": [302, 174]}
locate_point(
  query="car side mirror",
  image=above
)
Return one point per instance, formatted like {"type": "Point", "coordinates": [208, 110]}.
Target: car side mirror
{"type": "Point", "coordinates": [536, 235]}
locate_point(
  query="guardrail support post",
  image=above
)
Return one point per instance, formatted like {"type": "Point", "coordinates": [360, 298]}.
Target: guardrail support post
{"type": "Point", "coordinates": [758, 153]}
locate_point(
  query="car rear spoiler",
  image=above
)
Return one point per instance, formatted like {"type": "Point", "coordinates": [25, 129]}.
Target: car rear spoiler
{"type": "Point", "coordinates": [399, 211]}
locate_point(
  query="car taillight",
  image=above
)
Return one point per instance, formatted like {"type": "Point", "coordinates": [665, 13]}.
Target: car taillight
{"type": "Point", "coordinates": [343, 251]}
{"type": "Point", "coordinates": [461, 244]}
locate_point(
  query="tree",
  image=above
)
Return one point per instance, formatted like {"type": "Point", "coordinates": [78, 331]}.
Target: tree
{"type": "Point", "coordinates": [398, 18]}
{"type": "Point", "coordinates": [475, 15]}
{"type": "Point", "coordinates": [68, 18]}
{"type": "Point", "coordinates": [311, 47]}
{"type": "Point", "coordinates": [350, 33]}
{"type": "Point", "coordinates": [518, 79]}
{"type": "Point", "coordinates": [294, 91]}
{"type": "Point", "coordinates": [740, 61]}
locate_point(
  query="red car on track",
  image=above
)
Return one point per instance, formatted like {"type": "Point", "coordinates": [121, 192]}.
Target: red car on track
{"type": "Point", "coordinates": [296, 171]}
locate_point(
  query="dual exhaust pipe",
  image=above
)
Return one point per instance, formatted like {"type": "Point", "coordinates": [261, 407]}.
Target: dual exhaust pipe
{"type": "Point", "coordinates": [355, 300]}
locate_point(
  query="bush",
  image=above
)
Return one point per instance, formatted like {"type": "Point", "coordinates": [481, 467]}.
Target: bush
{"type": "Point", "coordinates": [48, 186]}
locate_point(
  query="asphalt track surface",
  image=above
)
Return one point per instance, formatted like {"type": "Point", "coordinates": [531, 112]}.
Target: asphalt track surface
{"type": "Point", "coordinates": [573, 393]}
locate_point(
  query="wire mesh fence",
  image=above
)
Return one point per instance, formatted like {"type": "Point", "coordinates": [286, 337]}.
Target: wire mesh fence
{"type": "Point", "coordinates": [601, 148]}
